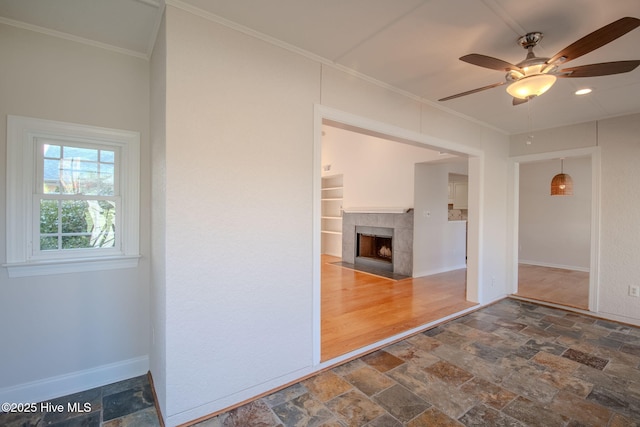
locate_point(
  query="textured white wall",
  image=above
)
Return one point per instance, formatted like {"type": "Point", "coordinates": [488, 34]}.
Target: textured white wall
{"type": "Point", "coordinates": [239, 199]}
{"type": "Point", "coordinates": [238, 213]}
{"type": "Point", "coordinates": [378, 173]}
{"type": "Point", "coordinates": [438, 244]}
{"type": "Point", "coordinates": [619, 139]}
{"type": "Point", "coordinates": [158, 315]}
{"type": "Point", "coordinates": [63, 327]}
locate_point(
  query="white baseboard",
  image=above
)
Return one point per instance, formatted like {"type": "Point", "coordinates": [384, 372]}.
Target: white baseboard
{"type": "Point", "coordinates": [62, 385]}
{"type": "Point", "coordinates": [547, 264]}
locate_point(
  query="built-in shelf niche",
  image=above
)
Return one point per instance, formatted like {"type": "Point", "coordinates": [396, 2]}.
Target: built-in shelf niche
{"type": "Point", "coordinates": [331, 219]}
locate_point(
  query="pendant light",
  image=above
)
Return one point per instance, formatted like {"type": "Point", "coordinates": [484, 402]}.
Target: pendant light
{"type": "Point", "coordinates": [562, 184]}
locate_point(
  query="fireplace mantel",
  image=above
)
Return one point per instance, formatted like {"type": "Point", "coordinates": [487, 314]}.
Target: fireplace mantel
{"type": "Point", "coordinates": [392, 210]}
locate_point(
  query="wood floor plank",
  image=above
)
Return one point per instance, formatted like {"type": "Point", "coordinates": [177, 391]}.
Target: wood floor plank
{"type": "Point", "coordinates": [556, 285]}
{"type": "Point", "coordinates": [358, 309]}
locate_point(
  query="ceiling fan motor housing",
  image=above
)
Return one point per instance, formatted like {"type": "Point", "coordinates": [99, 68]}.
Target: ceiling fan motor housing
{"type": "Point", "coordinates": [530, 39]}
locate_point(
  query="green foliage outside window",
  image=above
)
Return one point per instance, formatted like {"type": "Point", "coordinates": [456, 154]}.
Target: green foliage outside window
{"type": "Point", "coordinates": [84, 224]}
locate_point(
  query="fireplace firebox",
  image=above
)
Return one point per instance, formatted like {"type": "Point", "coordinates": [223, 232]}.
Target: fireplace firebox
{"type": "Point", "coordinates": [374, 247]}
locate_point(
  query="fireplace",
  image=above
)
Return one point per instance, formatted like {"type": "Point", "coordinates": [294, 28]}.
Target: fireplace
{"type": "Point", "coordinates": [374, 247]}
{"type": "Point", "coordinates": [396, 226]}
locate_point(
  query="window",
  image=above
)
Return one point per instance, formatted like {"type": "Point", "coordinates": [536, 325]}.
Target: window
{"type": "Point", "coordinates": [72, 197]}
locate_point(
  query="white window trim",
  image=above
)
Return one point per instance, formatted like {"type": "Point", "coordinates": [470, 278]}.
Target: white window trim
{"type": "Point", "coordinates": [21, 180]}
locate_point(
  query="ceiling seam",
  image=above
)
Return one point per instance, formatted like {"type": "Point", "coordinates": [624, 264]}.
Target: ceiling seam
{"type": "Point", "coordinates": [504, 16]}
{"type": "Point", "coordinates": [375, 33]}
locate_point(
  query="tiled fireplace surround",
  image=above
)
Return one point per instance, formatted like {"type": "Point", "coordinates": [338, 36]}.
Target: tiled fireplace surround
{"type": "Point", "coordinates": [402, 225]}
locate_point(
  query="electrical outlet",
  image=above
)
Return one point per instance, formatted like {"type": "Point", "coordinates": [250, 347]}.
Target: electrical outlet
{"type": "Point", "coordinates": [634, 291]}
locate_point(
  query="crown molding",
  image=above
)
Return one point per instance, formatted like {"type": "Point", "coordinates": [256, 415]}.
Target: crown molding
{"type": "Point", "coordinates": [71, 37]}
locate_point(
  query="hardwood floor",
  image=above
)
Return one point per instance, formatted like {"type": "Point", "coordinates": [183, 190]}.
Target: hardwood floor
{"type": "Point", "coordinates": [556, 285]}
{"type": "Point", "coordinates": [359, 308]}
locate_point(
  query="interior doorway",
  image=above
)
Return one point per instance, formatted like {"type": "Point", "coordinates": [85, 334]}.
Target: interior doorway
{"type": "Point", "coordinates": [556, 236]}
{"type": "Point", "coordinates": [467, 291]}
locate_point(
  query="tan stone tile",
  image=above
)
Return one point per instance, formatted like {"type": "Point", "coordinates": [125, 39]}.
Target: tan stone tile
{"type": "Point", "coordinates": [326, 386]}
{"type": "Point", "coordinates": [304, 411]}
{"type": "Point", "coordinates": [412, 354]}
{"type": "Point", "coordinates": [401, 403]}
{"type": "Point", "coordinates": [525, 382]}
{"type": "Point", "coordinates": [572, 406]}
{"type": "Point", "coordinates": [432, 417]}
{"type": "Point", "coordinates": [621, 421]}
{"type": "Point", "coordinates": [354, 408]}
{"type": "Point", "coordinates": [563, 381]}
{"type": "Point", "coordinates": [487, 392]}
{"type": "Point", "coordinates": [556, 363]}
{"type": "Point", "coordinates": [447, 398]}
{"type": "Point", "coordinates": [382, 361]}
{"type": "Point", "coordinates": [469, 332]}
{"type": "Point", "coordinates": [369, 380]}
{"type": "Point", "coordinates": [449, 373]}
{"type": "Point", "coordinates": [534, 414]}
{"type": "Point", "coordinates": [424, 342]}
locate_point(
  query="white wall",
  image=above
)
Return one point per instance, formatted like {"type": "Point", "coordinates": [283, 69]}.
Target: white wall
{"type": "Point", "coordinates": [555, 231]}
{"type": "Point", "coordinates": [239, 126]}
{"type": "Point", "coordinates": [377, 173]}
{"type": "Point", "coordinates": [438, 244]}
{"type": "Point", "coordinates": [158, 315]}
{"type": "Point", "coordinates": [618, 140]}
{"type": "Point", "coordinates": [72, 332]}
{"type": "Point", "coordinates": [239, 217]}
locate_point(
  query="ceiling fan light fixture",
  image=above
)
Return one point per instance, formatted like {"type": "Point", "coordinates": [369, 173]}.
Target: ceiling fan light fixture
{"type": "Point", "coordinates": [530, 86]}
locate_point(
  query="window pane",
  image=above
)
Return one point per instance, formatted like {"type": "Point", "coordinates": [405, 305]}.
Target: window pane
{"type": "Point", "coordinates": [88, 178]}
{"type": "Point", "coordinates": [107, 183]}
{"type": "Point", "coordinates": [48, 243]}
{"type": "Point", "coordinates": [52, 151]}
{"type": "Point", "coordinates": [51, 176]}
{"type": "Point", "coordinates": [48, 217]}
{"type": "Point", "coordinates": [80, 172]}
{"type": "Point", "coordinates": [74, 216]}
{"type": "Point", "coordinates": [88, 224]}
{"type": "Point", "coordinates": [80, 153]}
{"type": "Point", "coordinates": [103, 219]}
{"type": "Point", "coordinates": [76, 242]}
{"type": "Point", "coordinates": [107, 156]}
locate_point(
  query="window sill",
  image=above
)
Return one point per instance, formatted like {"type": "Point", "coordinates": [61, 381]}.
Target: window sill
{"type": "Point", "coordinates": [76, 265]}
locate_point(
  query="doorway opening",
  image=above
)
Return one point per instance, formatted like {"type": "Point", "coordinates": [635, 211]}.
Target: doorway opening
{"type": "Point", "coordinates": [383, 248]}
{"type": "Point", "coordinates": [556, 237]}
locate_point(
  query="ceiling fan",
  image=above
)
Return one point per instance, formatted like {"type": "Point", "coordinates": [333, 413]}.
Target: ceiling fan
{"type": "Point", "coordinates": [534, 75]}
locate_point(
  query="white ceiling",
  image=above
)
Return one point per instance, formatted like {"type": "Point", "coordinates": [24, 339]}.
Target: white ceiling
{"type": "Point", "coordinates": [412, 45]}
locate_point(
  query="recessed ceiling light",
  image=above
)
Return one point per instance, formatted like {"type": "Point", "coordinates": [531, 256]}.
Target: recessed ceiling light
{"type": "Point", "coordinates": [583, 91]}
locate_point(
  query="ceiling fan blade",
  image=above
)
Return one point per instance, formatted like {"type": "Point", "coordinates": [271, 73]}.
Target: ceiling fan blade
{"type": "Point", "coordinates": [469, 92]}
{"type": "Point", "coordinates": [518, 101]}
{"type": "Point", "coordinates": [489, 62]}
{"type": "Point", "coordinates": [602, 69]}
{"type": "Point", "coordinates": [596, 39]}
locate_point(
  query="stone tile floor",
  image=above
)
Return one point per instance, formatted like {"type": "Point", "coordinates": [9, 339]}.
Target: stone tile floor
{"type": "Point", "coordinates": [509, 364]}
{"type": "Point", "coordinates": [126, 403]}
